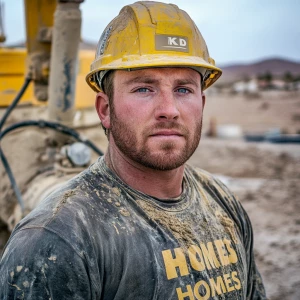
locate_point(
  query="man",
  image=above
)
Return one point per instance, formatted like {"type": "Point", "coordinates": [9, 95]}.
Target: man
{"type": "Point", "coordinates": [140, 223]}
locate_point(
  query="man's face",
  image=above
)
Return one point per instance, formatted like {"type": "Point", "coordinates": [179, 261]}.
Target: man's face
{"type": "Point", "coordinates": [156, 117]}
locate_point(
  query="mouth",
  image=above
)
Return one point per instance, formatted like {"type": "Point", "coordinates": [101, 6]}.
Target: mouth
{"type": "Point", "coordinates": [167, 133]}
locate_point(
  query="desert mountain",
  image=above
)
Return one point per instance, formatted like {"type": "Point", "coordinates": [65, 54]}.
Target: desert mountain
{"type": "Point", "coordinates": [276, 66]}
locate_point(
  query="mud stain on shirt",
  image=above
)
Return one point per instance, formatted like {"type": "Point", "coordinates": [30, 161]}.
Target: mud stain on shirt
{"type": "Point", "coordinates": [52, 258]}
{"type": "Point", "coordinates": [63, 201]}
{"type": "Point", "coordinates": [228, 225]}
{"type": "Point", "coordinates": [182, 230]}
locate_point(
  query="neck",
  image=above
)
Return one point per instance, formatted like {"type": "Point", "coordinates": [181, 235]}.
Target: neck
{"type": "Point", "coordinates": [156, 183]}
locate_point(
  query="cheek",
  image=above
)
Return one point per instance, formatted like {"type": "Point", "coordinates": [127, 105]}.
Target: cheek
{"type": "Point", "coordinates": [192, 110]}
{"type": "Point", "coordinates": [134, 112]}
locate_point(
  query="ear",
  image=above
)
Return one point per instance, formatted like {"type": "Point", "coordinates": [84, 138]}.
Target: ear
{"type": "Point", "coordinates": [103, 109]}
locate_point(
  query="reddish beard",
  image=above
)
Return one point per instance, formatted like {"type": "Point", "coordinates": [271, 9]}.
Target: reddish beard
{"type": "Point", "coordinates": [169, 156]}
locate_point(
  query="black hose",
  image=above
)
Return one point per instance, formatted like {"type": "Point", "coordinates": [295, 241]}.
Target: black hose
{"type": "Point", "coordinates": [2, 156]}
{"type": "Point", "coordinates": [15, 102]}
{"type": "Point", "coordinates": [42, 124]}
{"type": "Point", "coordinates": [55, 126]}
{"type": "Point", "coordinates": [12, 180]}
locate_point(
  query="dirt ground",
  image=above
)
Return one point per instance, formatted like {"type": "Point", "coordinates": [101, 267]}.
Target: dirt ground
{"type": "Point", "coordinates": [266, 181]}
{"type": "Point", "coordinates": [265, 177]}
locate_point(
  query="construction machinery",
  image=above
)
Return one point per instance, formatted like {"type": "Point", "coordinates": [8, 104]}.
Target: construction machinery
{"type": "Point", "coordinates": [55, 69]}
{"type": "Point", "coordinates": [44, 99]}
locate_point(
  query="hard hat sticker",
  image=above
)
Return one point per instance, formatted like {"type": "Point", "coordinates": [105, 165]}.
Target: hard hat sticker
{"type": "Point", "coordinates": [103, 41]}
{"type": "Point", "coordinates": [165, 42]}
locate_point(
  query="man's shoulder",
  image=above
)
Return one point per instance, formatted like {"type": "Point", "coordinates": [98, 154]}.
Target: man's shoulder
{"type": "Point", "coordinates": [201, 176]}
{"type": "Point", "coordinates": [217, 190]}
{"type": "Point", "coordinates": [77, 214]}
{"type": "Point", "coordinates": [73, 205]}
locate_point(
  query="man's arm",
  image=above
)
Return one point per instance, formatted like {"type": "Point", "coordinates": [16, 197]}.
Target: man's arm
{"type": "Point", "coordinates": [38, 264]}
{"type": "Point", "coordinates": [255, 287]}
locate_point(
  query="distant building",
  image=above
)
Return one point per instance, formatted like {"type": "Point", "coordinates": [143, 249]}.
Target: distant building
{"type": "Point", "coordinates": [253, 86]}
{"type": "Point", "coordinates": [246, 87]}
{"type": "Point", "coordinates": [278, 84]}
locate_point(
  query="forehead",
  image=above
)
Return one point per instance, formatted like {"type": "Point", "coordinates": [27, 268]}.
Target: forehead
{"type": "Point", "coordinates": [158, 75]}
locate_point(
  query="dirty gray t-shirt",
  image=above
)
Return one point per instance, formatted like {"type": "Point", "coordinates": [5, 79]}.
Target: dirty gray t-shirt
{"type": "Point", "coordinates": [97, 238]}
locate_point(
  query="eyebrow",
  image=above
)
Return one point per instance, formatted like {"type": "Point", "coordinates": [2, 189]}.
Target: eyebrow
{"type": "Point", "coordinates": [150, 80]}
{"type": "Point", "coordinates": [187, 81]}
{"type": "Point", "coordinates": [141, 79]}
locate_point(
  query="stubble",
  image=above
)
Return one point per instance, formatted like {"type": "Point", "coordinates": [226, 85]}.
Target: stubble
{"type": "Point", "coordinates": [168, 156]}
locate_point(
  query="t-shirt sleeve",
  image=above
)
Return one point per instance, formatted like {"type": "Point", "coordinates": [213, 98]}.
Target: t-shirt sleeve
{"type": "Point", "coordinates": [255, 287]}
{"type": "Point", "coordinates": [38, 264]}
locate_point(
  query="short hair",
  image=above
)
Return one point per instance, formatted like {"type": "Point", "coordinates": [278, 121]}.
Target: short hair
{"type": "Point", "coordinates": [108, 85]}
{"type": "Point", "coordinates": [108, 89]}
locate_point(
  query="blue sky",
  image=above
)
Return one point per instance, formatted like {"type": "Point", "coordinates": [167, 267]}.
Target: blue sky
{"type": "Point", "coordinates": [236, 31]}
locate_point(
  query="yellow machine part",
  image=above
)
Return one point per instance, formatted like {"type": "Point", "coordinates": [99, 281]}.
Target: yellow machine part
{"type": "Point", "coordinates": [39, 18]}
{"type": "Point", "coordinates": [12, 74]}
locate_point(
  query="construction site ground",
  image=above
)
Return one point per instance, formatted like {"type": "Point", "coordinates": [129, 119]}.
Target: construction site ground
{"type": "Point", "coordinates": [264, 176]}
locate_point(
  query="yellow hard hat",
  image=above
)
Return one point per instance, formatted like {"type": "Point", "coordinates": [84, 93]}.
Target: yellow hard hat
{"type": "Point", "coordinates": [151, 34]}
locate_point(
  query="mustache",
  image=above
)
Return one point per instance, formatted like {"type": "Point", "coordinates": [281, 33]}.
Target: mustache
{"type": "Point", "coordinates": [167, 125]}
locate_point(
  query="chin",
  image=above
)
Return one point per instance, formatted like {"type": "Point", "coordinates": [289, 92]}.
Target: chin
{"type": "Point", "coordinates": [163, 161]}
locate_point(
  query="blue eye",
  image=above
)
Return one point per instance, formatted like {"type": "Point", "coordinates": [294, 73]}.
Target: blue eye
{"type": "Point", "coordinates": [183, 91]}
{"type": "Point", "coordinates": [142, 90]}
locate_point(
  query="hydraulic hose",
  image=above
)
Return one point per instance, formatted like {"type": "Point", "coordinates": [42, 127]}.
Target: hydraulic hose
{"type": "Point", "coordinates": [42, 124]}
{"type": "Point", "coordinates": [12, 180]}
{"type": "Point", "coordinates": [15, 102]}
{"type": "Point", "coordinates": [55, 126]}
{"type": "Point", "coordinates": [2, 156]}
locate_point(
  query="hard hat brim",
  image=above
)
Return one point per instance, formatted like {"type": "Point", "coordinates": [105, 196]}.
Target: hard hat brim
{"type": "Point", "coordinates": [148, 61]}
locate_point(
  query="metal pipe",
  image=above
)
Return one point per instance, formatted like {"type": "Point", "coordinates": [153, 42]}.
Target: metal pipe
{"type": "Point", "coordinates": [64, 60]}
{"type": "Point", "coordinates": [2, 33]}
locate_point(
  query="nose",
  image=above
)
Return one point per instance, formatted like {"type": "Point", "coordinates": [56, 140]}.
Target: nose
{"type": "Point", "coordinates": [166, 107]}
